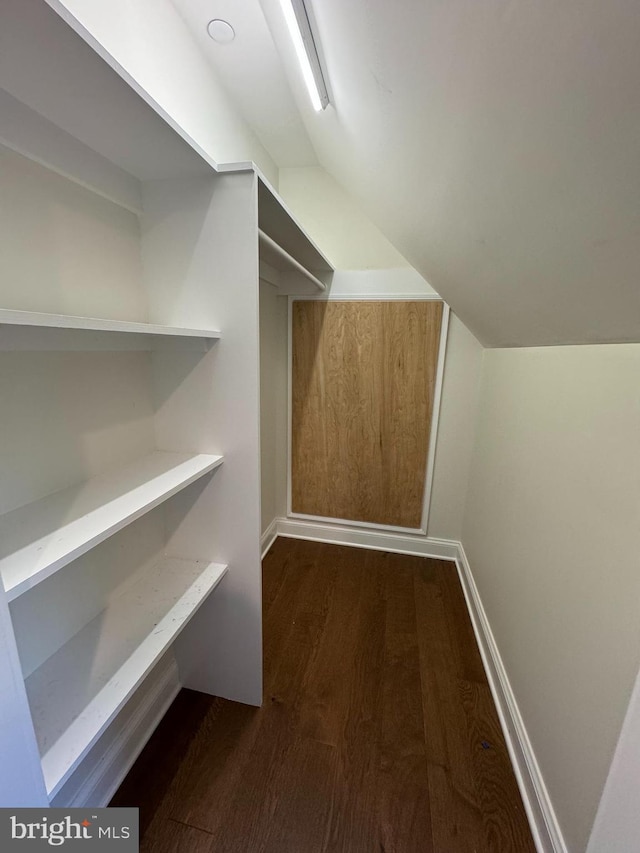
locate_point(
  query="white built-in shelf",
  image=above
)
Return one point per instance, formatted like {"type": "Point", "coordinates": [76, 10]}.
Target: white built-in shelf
{"type": "Point", "coordinates": [38, 539]}
{"type": "Point", "coordinates": [78, 691]}
{"type": "Point", "coordinates": [81, 89]}
{"type": "Point", "coordinates": [276, 220]}
{"type": "Point", "coordinates": [35, 319]}
{"type": "Point", "coordinates": [278, 258]}
{"type": "Point", "coordinates": [289, 259]}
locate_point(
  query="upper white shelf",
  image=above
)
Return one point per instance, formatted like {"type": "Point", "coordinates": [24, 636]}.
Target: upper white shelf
{"type": "Point", "coordinates": [78, 691]}
{"type": "Point", "coordinates": [38, 539]}
{"type": "Point", "coordinates": [53, 66]}
{"type": "Point", "coordinates": [276, 257]}
{"type": "Point", "coordinates": [277, 221]}
{"type": "Point", "coordinates": [70, 322]}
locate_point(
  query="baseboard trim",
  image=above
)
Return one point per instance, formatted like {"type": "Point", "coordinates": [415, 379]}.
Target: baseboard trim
{"type": "Point", "coordinates": [376, 540]}
{"type": "Point", "coordinates": [268, 538]}
{"type": "Point", "coordinates": [542, 818]}
{"type": "Point", "coordinates": [100, 775]}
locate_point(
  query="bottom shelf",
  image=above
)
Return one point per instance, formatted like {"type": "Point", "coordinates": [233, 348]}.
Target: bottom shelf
{"type": "Point", "coordinates": [78, 691]}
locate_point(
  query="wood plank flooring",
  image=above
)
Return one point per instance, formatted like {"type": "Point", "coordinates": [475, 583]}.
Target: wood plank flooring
{"type": "Point", "coordinates": [378, 733]}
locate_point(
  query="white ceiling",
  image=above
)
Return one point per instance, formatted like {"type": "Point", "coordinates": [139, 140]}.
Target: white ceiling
{"type": "Point", "coordinates": [496, 144]}
{"type": "Point", "coordinates": [252, 73]}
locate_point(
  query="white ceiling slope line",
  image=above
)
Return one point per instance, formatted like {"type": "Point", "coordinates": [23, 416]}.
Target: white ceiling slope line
{"type": "Point", "coordinates": [495, 145]}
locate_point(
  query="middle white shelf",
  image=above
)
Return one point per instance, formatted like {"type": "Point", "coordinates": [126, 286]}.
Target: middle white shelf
{"type": "Point", "coordinates": [38, 539]}
{"type": "Point", "coordinates": [78, 691]}
{"type": "Point", "coordinates": [38, 329]}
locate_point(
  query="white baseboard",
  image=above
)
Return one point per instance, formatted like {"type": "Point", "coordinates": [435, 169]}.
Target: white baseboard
{"type": "Point", "coordinates": [101, 773]}
{"type": "Point", "coordinates": [376, 540]}
{"type": "Point", "coordinates": [268, 538]}
{"type": "Point", "coordinates": [542, 818]}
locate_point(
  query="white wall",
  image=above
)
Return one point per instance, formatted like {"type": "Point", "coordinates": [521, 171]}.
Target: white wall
{"type": "Point", "coordinates": [151, 42]}
{"type": "Point", "coordinates": [347, 237]}
{"type": "Point", "coordinates": [552, 532]}
{"type": "Point", "coordinates": [456, 432]}
{"type": "Point", "coordinates": [71, 228]}
{"type": "Point", "coordinates": [617, 825]}
{"type": "Point", "coordinates": [273, 403]}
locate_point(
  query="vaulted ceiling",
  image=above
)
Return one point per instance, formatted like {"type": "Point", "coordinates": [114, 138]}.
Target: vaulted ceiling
{"type": "Point", "coordinates": [496, 144]}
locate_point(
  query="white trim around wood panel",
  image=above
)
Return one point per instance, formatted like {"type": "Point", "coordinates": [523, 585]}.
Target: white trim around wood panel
{"type": "Point", "coordinates": [435, 415]}
{"type": "Point", "coordinates": [361, 537]}
{"type": "Point", "coordinates": [373, 297]}
{"type": "Point", "coordinates": [542, 818]}
{"type": "Point", "coordinates": [368, 525]}
{"type": "Point", "coordinates": [435, 419]}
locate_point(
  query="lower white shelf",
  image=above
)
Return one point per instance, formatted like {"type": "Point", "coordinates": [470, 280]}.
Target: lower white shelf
{"type": "Point", "coordinates": [78, 691]}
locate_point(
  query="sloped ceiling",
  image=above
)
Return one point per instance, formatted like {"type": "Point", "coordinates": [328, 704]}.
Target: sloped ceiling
{"type": "Point", "coordinates": [252, 72]}
{"type": "Point", "coordinates": [497, 145]}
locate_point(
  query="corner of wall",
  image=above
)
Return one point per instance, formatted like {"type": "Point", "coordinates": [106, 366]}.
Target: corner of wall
{"type": "Point", "coordinates": [456, 432]}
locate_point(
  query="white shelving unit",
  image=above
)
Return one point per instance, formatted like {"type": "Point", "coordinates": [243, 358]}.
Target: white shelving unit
{"type": "Point", "coordinates": [39, 539]}
{"type": "Point", "coordinates": [273, 256]}
{"type": "Point", "coordinates": [69, 322]}
{"type": "Point", "coordinates": [78, 691]}
{"type": "Point", "coordinates": [124, 252]}
{"type": "Point", "coordinates": [289, 259]}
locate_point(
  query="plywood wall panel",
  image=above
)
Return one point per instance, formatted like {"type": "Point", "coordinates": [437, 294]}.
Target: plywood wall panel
{"type": "Point", "coordinates": [363, 384]}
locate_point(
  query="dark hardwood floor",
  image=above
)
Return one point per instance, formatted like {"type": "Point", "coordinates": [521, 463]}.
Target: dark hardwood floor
{"type": "Point", "coordinates": [378, 733]}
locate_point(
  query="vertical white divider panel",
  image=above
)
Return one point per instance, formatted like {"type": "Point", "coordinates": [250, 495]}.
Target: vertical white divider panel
{"type": "Point", "coordinates": [21, 780]}
{"type": "Point", "coordinates": [200, 256]}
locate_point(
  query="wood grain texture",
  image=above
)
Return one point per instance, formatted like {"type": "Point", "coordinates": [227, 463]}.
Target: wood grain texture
{"type": "Point", "coordinates": [363, 386]}
{"type": "Point", "coordinates": [374, 734]}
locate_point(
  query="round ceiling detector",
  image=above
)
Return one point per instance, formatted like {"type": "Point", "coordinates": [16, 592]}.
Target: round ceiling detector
{"type": "Point", "coordinates": [221, 31]}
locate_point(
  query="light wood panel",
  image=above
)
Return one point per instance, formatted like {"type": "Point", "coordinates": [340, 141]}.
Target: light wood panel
{"type": "Point", "coordinates": [363, 385]}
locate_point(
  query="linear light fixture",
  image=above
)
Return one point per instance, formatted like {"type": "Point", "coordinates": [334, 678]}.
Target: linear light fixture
{"type": "Point", "coordinates": [295, 15]}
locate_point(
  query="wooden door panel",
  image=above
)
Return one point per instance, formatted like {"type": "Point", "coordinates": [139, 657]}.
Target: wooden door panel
{"type": "Point", "coordinates": [363, 385]}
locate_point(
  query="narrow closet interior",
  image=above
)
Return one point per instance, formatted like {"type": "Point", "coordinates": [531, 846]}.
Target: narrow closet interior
{"type": "Point", "coordinates": [144, 361]}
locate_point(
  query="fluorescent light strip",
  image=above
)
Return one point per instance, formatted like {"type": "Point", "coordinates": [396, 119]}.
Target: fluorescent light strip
{"type": "Point", "coordinates": [316, 87]}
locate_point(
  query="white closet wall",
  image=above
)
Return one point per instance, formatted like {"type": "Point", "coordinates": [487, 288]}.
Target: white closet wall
{"type": "Point", "coordinates": [273, 403]}
{"type": "Point", "coordinates": [71, 414]}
